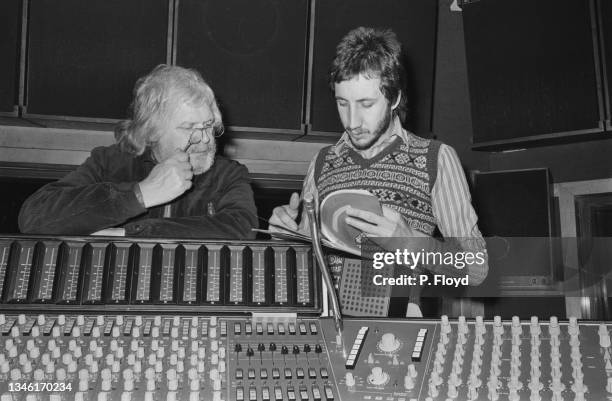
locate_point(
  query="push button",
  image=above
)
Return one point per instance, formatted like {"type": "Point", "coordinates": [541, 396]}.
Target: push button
{"type": "Point", "coordinates": [265, 394]}
{"type": "Point", "coordinates": [278, 394]}
{"type": "Point", "coordinates": [290, 394]}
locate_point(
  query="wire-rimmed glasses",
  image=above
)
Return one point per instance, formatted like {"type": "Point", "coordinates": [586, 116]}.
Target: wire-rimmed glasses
{"type": "Point", "coordinates": [196, 134]}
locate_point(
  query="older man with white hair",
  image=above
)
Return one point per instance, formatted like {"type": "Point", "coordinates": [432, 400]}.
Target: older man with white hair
{"type": "Point", "coordinates": [161, 178]}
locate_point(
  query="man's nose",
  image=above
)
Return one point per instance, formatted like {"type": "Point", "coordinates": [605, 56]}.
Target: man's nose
{"type": "Point", "coordinates": [354, 118]}
{"type": "Point", "coordinates": [206, 135]}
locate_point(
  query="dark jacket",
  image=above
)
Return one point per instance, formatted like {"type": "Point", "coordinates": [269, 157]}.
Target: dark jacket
{"type": "Point", "coordinates": [99, 194]}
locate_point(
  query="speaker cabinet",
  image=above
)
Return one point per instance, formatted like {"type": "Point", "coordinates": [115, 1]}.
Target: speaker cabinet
{"type": "Point", "coordinates": [514, 211]}
{"type": "Point", "coordinates": [10, 31]}
{"type": "Point", "coordinates": [252, 53]}
{"type": "Point", "coordinates": [532, 70]}
{"type": "Point", "coordinates": [85, 56]}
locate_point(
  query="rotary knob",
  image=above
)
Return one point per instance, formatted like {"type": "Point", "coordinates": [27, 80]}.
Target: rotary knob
{"type": "Point", "coordinates": [378, 377]}
{"type": "Point", "coordinates": [609, 385]}
{"type": "Point", "coordinates": [408, 382]}
{"type": "Point", "coordinates": [604, 340]}
{"type": "Point", "coordinates": [388, 343]}
{"type": "Point", "coordinates": [349, 379]}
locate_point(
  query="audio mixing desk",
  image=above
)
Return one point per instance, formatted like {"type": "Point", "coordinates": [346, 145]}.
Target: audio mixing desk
{"type": "Point", "coordinates": [107, 319]}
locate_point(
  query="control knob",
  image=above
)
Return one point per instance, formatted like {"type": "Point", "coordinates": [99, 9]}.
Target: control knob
{"type": "Point", "coordinates": [378, 377]}
{"type": "Point", "coordinates": [388, 343]}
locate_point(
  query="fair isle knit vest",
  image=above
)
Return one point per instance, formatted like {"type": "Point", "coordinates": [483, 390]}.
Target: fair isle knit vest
{"type": "Point", "coordinates": [401, 177]}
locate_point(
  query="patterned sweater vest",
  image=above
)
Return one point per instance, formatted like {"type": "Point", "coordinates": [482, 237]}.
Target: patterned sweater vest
{"type": "Point", "coordinates": [401, 177]}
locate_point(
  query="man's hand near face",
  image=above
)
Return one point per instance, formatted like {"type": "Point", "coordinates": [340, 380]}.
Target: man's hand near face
{"type": "Point", "coordinates": [167, 181]}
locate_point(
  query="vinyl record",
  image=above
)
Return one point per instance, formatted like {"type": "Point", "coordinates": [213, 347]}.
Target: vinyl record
{"type": "Point", "coordinates": [333, 216]}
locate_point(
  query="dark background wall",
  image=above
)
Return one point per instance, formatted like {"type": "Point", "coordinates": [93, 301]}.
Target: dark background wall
{"type": "Point", "coordinates": [452, 122]}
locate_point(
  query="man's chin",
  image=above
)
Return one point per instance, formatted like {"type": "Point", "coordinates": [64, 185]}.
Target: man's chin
{"type": "Point", "coordinates": [201, 162]}
{"type": "Point", "coordinates": [363, 143]}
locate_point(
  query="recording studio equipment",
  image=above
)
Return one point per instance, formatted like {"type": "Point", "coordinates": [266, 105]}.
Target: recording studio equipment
{"type": "Point", "coordinates": [325, 273]}
{"type": "Point", "coordinates": [119, 319]}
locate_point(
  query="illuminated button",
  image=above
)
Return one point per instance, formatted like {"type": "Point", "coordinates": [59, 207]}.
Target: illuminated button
{"type": "Point", "coordinates": [239, 394]}
{"type": "Point", "coordinates": [316, 393]}
{"type": "Point", "coordinates": [252, 394]}
{"type": "Point", "coordinates": [299, 373]}
{"type": "Point", "coordinates": [275, 374]}
{"type": "Point", "coordinates": [302, 328]}
{"type": "Point", "coordinates": [265, 394]}
{"type": "Point", "coordinates": [304, 394]}
{"type": "Point", "coordinates": [278, 394]}
{"type": "Point", "coordinates": [313, 328]}
{"type": "Point", "coordinates": [239, 374]}
{"type": "Point", "coordinates": [287, 373]}
{"type": "Point", "coordinates": [259, 328]}
{"type": "Point", "coordinates": [329, 394]}
{"type": "Point", "coordinates": [237, 328]}
{"type": "Point", "coordinates": [251, 374]}
{"type": "Point", "coordinates": [281, 329]}
{"type": "Point", "coordinates": [312, 373]}
{"type": "Point", "coordinates": [292, 328]}
{"type": "Point", "coordinates": [270, 328]}
{"type": "Point", "coordinates": [263, 374]}
{"type": "Point", "coordinates": [290, 394]}
{"type": "Point", "coordinates": [248, 329]}
{"type": "Point", "coordinates": [324, 373]}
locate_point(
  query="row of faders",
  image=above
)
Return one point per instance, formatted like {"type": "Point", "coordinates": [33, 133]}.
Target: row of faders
{"type": "Point", "coordinates": [94, 272]}
{"type": "Point", "coordinates": [521, 361]}
{"type": "Point", "coordinates": [122, 357]}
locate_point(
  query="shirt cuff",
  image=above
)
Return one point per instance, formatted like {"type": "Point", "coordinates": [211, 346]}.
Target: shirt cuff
{"type": "Point", "coordinates": [138, 193]}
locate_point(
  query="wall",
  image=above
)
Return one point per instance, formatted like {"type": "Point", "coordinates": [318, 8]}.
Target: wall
{"type": "Point", "coordinates": [451, 124]}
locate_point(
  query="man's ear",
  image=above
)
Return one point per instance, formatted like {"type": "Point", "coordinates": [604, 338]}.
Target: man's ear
{"type": "Point", "coordinates": [397, 101]}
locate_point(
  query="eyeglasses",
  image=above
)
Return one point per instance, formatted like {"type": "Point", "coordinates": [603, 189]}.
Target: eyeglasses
{"type": "Point", "coordinates": [207, 129]}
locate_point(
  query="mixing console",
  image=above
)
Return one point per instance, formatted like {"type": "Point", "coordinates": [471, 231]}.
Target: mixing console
{"type": "Point", "coordinates": [273, 358]}
{"type": "Point", "coordinates": [99, 319]}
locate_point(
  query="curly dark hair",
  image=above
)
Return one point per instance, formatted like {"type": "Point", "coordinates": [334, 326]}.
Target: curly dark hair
{"type": "Point", "coordinates": [374, 53]}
